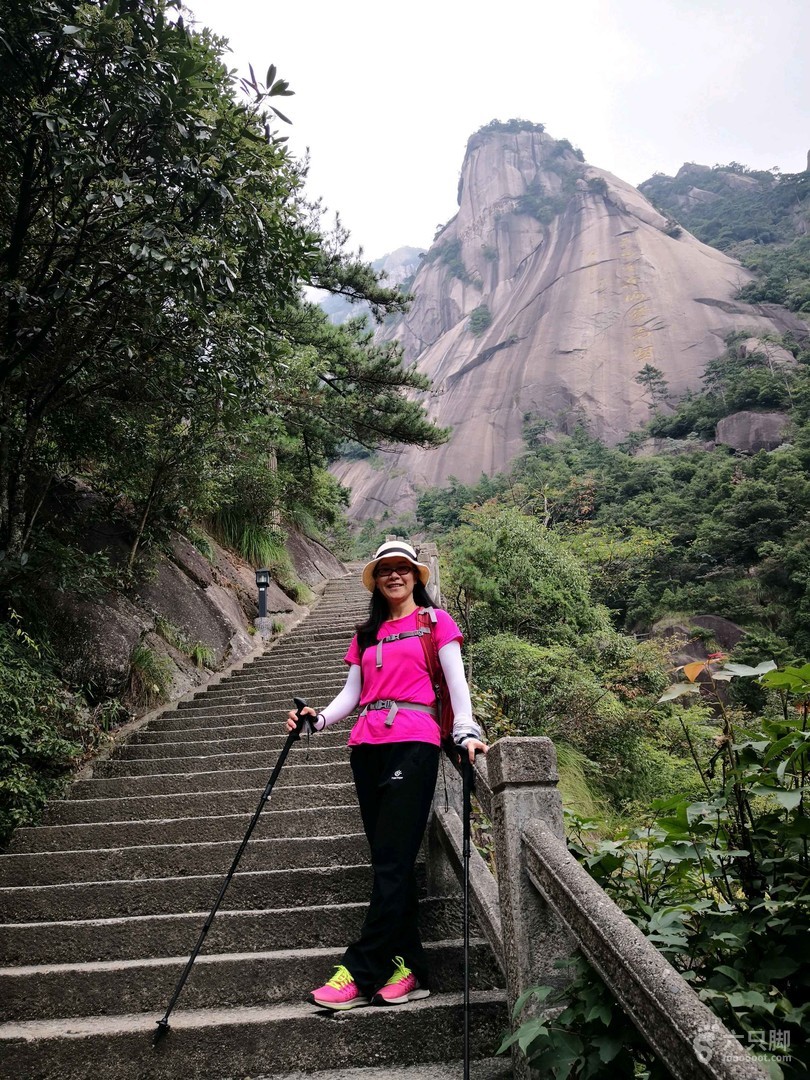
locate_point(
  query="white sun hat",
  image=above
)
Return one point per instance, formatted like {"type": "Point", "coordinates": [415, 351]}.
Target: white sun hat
{"type": "Point", "coordinates": [393, 549]}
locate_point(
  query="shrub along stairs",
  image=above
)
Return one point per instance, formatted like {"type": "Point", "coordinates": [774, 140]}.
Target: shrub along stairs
{"type": "Point", "coordinates": [101, 905]}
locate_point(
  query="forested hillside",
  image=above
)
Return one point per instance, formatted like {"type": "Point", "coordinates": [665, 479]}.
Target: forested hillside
{"type": "Point", "coordinates": [160, 369]}
{"type": "Point", "coordinates": [576, 576]}
{"type": "Point", "coordinates": [683, 530]}
{"type": "Point", "coordinates": [761, 218]}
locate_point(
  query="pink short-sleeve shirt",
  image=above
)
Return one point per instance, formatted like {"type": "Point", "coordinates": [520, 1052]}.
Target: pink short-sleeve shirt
{"type": "Point", "coordinates": [404, 676]}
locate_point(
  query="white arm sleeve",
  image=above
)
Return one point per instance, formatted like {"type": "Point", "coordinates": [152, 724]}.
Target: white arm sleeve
{"type": "Point", "coordinates": [464, 726]}
{"type": "Point", "coordinates": [346, 701]}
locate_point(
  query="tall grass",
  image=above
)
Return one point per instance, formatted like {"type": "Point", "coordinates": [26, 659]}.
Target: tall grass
{"type": "Point", "coordinates": [150, 676]}
{"type": "Point", "coordinates": [257, 544]}
{"type": "Point", "coordinates": [260, 546]}
{"type": "Point", "coordinates": [580, 792]}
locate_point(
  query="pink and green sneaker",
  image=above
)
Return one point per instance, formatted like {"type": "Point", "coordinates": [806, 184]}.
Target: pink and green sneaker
{"type": "Point", "coordinates": [401, 987]}
{"type": "Point", "coordinates": [339, 992]}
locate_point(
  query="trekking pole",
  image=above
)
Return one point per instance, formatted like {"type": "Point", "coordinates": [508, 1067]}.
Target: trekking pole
{"type": "Point", "coordinates": [467, 785]}
{"type": "Point", "coordinates": [163, 1025]}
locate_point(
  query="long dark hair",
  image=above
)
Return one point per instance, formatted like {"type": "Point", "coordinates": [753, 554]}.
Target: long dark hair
{"type": "Point", "coordinates": [378, 613]}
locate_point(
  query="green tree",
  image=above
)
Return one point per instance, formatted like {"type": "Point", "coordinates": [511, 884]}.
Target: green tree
{"type": "Point", "coordinates": [655, 385]}
{"type": "Point", "coordinates": [521, 579]}
{"type": "Point", "coordinates": [154, 239]}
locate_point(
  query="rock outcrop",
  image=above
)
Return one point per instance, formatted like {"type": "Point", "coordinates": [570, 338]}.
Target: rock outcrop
{"type": "Point", "coordinates": [751, 431]}
{"type": "Point", "coordinates": [548, 292]}
{"type": "Point", "coordinates": [185, 599]}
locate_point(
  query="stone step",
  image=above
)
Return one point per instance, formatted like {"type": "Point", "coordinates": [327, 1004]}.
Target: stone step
{"type": "Point", "coordinates": [328, 631]}
{"type": "Point", "coordinates": [330, 766]}
{"type": "Point", "coordinates": [270, 699]}
{"type": "Point", "coordinates": [236, 716]}
{"type": "Point", "coordinates": [279, 685]}
{"type": "Point", "coordinates": [223, 716]}
{"type": "Point", "coordinates": [134, 937]}
{"type": "Point", "coordinates": [263, 728]}
{"type": "Point", "coordinates": [291, 676]}
{"type": "Point", "coordinates": [495, 1068]}
{"type": "Point", "coordinates": [191, 763]}
{"type": "Point", "coordinates": [276, 691]}
{"type": "Point", "coordinates": [271, 742]}
{"type": "Point", "coordinates": [278, 681]}
{"type": "Point", "coordinates": [305, 660]}
{"type": "Point", "coordinates": [310, 663]}
{"type": "Point", "coordinates": [319, 663]}
{"type": "Point", "coordinates": [178, 860]}
{"type": "Point", "coordinates": [211, 803]}
{"type": "Point", "coordinates": [224, 980]}
{"type": "Point", "coordinates": [185, 830]}
{"type": "Point", "coordinates": [165, 896]}
{"type": "Point", "coordinates": [244, 1041]}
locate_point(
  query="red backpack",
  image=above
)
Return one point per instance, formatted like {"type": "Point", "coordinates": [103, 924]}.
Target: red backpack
{"type": "Point", "coordinates": [425, 619]}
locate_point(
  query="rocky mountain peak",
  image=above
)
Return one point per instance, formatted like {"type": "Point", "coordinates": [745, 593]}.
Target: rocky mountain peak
{"type": "Point", "coordinates": [548, 292]}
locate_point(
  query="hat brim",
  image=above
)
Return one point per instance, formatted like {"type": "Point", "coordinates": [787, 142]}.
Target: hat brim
{"type": "Point", "coordinates": [368, 570]}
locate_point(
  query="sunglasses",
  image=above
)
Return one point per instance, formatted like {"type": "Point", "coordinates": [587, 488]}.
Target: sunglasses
{"type": "Point", "coordinates": [387, 571]}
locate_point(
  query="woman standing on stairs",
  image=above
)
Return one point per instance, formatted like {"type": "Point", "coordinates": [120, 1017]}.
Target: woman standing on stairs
{"type": "Point", "coordinates": [395, 746]}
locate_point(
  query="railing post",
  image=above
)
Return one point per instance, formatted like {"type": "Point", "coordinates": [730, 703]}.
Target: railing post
{"type": "Point", "coordinates": [523, 780]}
{"type": "Point", "coordinates": [429, 553]}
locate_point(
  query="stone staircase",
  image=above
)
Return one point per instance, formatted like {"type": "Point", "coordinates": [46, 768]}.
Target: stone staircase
{"type": "Point", "coordinates": [101, 905]}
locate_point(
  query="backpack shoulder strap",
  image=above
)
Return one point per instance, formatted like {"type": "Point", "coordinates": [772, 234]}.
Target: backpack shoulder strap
{"type": "Point", "coordinates": [425, 620]}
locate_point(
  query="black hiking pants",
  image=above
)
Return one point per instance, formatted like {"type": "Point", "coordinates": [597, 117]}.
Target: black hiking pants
{"type": "Point", "coordinates": [395, 784]}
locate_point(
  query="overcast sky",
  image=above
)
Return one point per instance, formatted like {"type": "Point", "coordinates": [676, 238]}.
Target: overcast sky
{"type": "Point", "coordinates": [387, 94]}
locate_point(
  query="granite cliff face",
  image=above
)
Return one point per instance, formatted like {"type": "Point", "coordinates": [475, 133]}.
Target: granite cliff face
{"type": "Point", "coordinates": [552, 287]}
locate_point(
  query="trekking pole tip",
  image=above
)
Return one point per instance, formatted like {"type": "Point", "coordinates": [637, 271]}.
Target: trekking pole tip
{"type": "Point", "coordinates": [162, 1029]}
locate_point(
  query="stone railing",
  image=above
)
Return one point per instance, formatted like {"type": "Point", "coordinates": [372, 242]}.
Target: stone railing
{"type": "Point", "coordinates": [544, 905]}
{"type": "Point", "coordinates": [429, 553]}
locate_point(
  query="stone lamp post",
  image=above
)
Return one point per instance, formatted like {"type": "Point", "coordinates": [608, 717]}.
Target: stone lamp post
{"type": "Point", "coordinates": [262, 623]}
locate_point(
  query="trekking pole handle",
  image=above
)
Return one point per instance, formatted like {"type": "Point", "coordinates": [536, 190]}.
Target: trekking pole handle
{"type": "Point", "coordinates": [300, 705]}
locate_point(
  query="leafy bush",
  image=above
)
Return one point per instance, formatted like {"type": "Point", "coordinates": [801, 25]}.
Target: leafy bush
{"type": "Point", "coordinates": [510, 127]}
{"type": "Point", "coordinates": [43, 729]}
{"type": "Point", "coordinates": [449, 254]}
{"type": "Point", "coordinates": [581, 1032]}
{"type": "Point", "coordinates": [783, 275]}
{"type": "Point", "coordinates": [540, 204]}
{"type": "Point", "coordinates": [202, 655]}
{"type": "Point", "coordinates": [718, 884]}
{"type": "Point", "coordinates": [480, 319]}
{"type": "Point", "coordinates": [764, 211]}
{"type": "Point", "coordinates": [509, 574]}
{"type": "Point", "coordinates": [257, 544]}
{"type": "Point", "coordinates": [545, 690]}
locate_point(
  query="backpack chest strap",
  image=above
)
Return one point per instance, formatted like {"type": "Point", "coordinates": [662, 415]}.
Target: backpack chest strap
{"type": "Point", "coordinates": [398, 637]}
